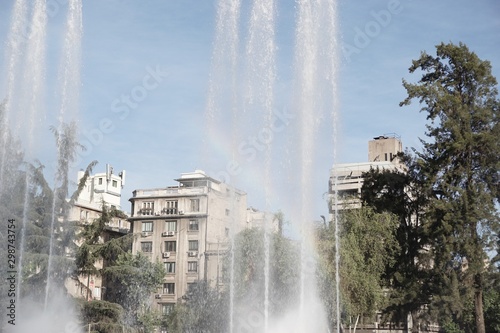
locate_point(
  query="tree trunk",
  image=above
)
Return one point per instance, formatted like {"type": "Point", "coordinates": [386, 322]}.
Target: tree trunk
{"type": "Point", "coordinates": [478, 300]}
{"type": "Point", "coordinates": [356, 324]}
{"type": "Point", "coordinates": [88, 286]}
{"type": "Point", "coordinates": [414, 322]}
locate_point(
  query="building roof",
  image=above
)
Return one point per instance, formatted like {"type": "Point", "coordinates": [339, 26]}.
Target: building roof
{"type": "Point", "coordinates": [364, 166]}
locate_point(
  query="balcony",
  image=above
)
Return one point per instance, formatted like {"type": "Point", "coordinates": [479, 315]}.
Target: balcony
{"type": "Point", "coordinates": [146, 211]}
{"type": "Point", "coordinates": [169, 211]}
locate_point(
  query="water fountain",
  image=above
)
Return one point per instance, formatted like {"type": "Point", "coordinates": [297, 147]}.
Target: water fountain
{"type": "Point", "coordinates": [243, 89]}
{"type": "Point", "coordinates": [36, 294]}
{"type": "Point", "coordinates": [249, 88]}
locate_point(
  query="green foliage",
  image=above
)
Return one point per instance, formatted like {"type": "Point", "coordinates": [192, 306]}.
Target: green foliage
{"type": "Point", "coordinates": [458, 168]}
{"type": "Point", "coordinates": [203, 309]}
{"type": "Point", "coordinates": [93, 248]}
{"type": "Point", "coordinates": [451, 327]}
{"type": "Point", "coordinates": [249, 271]}
{"type": "Point", "coordinates": [492, 309]}
{"type": "Point", "coordinates": [40, 212]}
{"type": "Point", "coordinates": [133, 278]}
{"type": "Point", "coordinates": [403, 195]}
{"type": "Point", "coordinates": [104, 316]}
{"type": "Point", "coordinates": [367, 247]}
{"type": "Point", "coordinates": [149, 320]}
{"type": "Point", "coordinates": [67, 147]}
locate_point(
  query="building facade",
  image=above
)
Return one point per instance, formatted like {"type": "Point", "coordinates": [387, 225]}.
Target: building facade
{"type": "Point", "coordinates": [187, 227]}
{"type": "Point", "coordinates": [346, 180]}
{"type": "Point", "coordinates": [100, 188]}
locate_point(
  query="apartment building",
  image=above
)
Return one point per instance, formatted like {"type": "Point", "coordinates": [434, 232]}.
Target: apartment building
{"type": "Point", "coordinates": [100, 188]}
{"type": "Point", "coordinates": [187, 227]}
{"type": "Point", "coordinates": [346, 180]}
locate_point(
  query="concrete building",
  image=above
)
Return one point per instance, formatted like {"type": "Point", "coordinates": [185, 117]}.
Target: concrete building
{"type": "Point", "coordinates": [384, 148]}
{"type": "Point", "coordinates": [100, 188]}
{"type": "Point", "coordinates": [346, 179]}
{"type": "Point", "coordinates": [263, 220]}
{"type": "Point", "coordinates": [187, 227]}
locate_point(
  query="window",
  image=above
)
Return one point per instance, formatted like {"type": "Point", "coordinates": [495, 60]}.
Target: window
{"type": "Point", "coordinates": [193, 245]}
{"type": "Point", "coordinates": [170, 207]}
{"type": "Point", "coordinates": [227, 212]}
{"type": "Point", "coordinates": [169, 288]}
{"type": "Point", "coordinates": [170, 246]}
{"type": "Point", "coordinates": [193, 225]}
{"type": "Point", "coordinates": [171, 226]}
{"type": "Point", "coordinates": [147, 226]}
{"type": "Point", "coordinates": [170, 267]}
{"type": "Point", "coordinates": [148, 208]}
{"type": "Point", "coordinates": [195, 205]}
{"type": "Point", "coordinates": [97, 293]}
{"type": "Point", "coordinates": [167, 308]}
{"type": "Point", "coordinates": [147, 247]}
{"type": "Point", "coordinates": [192, 266]}
{"type": "Point", "coordinates": [114, 183]}
{"type": "Point", "coordinates": [100, 181]}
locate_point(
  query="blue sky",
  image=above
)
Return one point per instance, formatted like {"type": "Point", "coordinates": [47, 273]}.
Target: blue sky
{"type": "Point", "coordinates": [163, 135]}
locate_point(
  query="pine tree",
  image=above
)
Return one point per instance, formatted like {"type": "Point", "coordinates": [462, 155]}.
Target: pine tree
{"type": "Point", "coordinates": [402, 194]}
{"type": "Point", "coordinates": [461, 166]}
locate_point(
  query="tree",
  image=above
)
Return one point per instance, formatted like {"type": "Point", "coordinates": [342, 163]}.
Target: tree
{"type": "Point", "coordinates": [93, 249]}
{"type": "Point", "coordinates": [401, 194]}
{"type": "Point", "coordinates": [461, 166]}
{"type": "Point", "coordinates": [367, 246]}
{"type": "Point", "coordinates": [102, 316]}
{"type": "Point", "coordinates": [41, 214]}
{"type": "Point", "coordinates": [202, 309]}
{"type": "Point", "coordinates": [134, 279]}
{"type": "Point", "coordinates": [249, 272]}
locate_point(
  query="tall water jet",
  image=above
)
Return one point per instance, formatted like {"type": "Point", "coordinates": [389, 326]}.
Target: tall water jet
{"type": "Point", "coordinates": [330, 63]}
{"type": "Point", "coordinates": [261, 74]}
{"type": "Point", "coordinates": [23, 111]}
{"type": "Point", "coordinates": [12, 55]}
{"type": "Point", "coordinates": [224, 68]}
{"type": "Point", "coordinates": [69, 88]}
{"type": "Point", "coordinates": [34, 76]}
{"type": "Point", "coordinates": [313, 95]}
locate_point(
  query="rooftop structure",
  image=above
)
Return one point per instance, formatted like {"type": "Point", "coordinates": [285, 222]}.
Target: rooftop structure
{"type": "Point", "coordinates": [346, 180]}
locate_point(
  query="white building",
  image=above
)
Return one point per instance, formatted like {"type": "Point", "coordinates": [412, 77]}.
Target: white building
{"type": "Point", "coordinates": [187, 227]}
